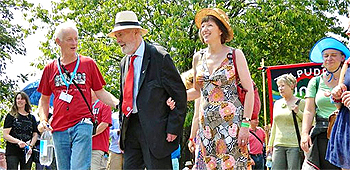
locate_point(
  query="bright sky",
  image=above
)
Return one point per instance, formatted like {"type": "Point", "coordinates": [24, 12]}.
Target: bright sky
{"type": "Point", "coordinates": [21, 64]}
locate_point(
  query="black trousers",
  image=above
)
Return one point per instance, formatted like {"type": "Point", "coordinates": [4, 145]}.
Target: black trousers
{"type": "Point", "coordinates": [137, 154]}
{"type": "Point", "coordinates": [318, 155]}
{"type": "Point", "coordinates": [13, 161]}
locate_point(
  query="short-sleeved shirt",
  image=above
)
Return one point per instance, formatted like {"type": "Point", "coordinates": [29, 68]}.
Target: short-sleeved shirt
{"type": "Point", "coordinates": [324, 106]}
{"type": "Point", "coordinates": [22, 128]}
{"type": "Point", "coordinates": [255, 146]}
{"type": "Point", "coordinates": [104, 114]}
{"type": "Point", "coordinates": [115, 134]}
{"type": "Point", "coordinates": [88, 76]}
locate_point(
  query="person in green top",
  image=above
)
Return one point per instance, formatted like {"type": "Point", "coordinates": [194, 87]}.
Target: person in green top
{"type": "Point", "coordinates": [283, 141]}
{"type": "Point", "coordinates": [318, 104]}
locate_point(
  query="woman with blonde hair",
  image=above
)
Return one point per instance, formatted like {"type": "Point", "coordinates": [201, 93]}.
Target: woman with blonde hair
{"type": "Point", "coordinates": [20, 132]}
{"type": "Point", "coordinates": [283, 141]}
{"type": "Point", "coordinates": [223, 122]}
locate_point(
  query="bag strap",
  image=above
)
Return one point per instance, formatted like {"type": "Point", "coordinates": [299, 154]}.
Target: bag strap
{"type": "Point", "coordinates": [317, 82]}
{"type": "Point", "coordinates": [296, 123]}
{"type": "Point", "coordinates": [67, 72]}
{"type": "Point", "coordinates": [232, 57]}
{"type": "Point", "coordinates": [257, 137]}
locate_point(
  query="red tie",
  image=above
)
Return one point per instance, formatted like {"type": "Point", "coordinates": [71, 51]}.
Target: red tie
{"type": "Point", "coordinates": [129, 89]}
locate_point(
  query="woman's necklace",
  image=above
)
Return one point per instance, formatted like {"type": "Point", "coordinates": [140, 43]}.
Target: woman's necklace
{"type": "Point", "coordinates": [332, 74]}
{"type": "Point", "coordinates": [288, 102]}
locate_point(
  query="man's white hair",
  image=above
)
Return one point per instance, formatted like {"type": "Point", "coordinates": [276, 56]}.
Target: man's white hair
{"type": "Point", "coordinates": [62, 27]}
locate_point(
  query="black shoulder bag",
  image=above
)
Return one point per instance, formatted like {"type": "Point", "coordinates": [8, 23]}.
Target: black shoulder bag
{"type": "Point", "coordinates": [94, 122]}
{"type": "Point", "coordinates": [302, 156]}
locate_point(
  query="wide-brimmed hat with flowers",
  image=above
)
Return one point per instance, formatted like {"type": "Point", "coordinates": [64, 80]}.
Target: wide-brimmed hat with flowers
{"type": "Point", "coordinates": [125, 20]}
{"type": "Point", "coordinates": [324, 44]}
{"type": "Point", "coordinates": [217, 13]}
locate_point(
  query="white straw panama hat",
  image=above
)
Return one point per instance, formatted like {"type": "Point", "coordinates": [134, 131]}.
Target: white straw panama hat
{"type": "Point", "coordinates": [324, 44]}
{"type": "Point", "coordinates": [217, 13]}
{"type": "Point", "coordinates": [125, 20]}
{"type": "Point", "coordinates": [2, 151]}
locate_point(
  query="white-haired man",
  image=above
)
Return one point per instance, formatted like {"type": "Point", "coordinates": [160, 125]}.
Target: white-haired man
{"type": "Point", "coordinates": [72, 120]}
{"type": "Point", "coordinates": [150, 129]}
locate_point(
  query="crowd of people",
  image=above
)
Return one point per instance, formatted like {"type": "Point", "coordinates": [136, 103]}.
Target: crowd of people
{"type": "Point", "coordinates": [152, 106]}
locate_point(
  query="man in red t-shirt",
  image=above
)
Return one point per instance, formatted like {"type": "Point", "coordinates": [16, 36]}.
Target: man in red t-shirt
{"type": "Point", "coordinates": [100, 140]}
{"type": "Point", "coordinates": [71, 122]}
{"type": "Point", "coordinates": [256, 144]}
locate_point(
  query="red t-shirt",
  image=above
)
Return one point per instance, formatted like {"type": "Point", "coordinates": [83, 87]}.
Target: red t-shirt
{"type": "Point", "coordinates": [88, 76]}
{"type": "Point", "coordinates": [104, 114]}
{"type": "Point", "coordinates": [255, 146]}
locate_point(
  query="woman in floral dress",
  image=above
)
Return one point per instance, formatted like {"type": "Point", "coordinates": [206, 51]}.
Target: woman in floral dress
{"type": "Point", "coordinates": [223, 121]}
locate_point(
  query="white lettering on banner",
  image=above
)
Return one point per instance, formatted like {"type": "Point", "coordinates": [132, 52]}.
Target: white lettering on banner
{"type": "Point", "coordinates": [301, 91]}
{"type": "Point", "coordinates": [310, 71]}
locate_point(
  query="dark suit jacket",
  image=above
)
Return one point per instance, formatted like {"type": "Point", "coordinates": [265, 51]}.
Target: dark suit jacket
{"type": "Point", "coordinates": [159, 80]}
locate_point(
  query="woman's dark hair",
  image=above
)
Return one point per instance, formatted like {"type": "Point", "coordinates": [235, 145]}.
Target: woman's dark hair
{"type": "Point", "coordinates": [223, 29]}
{"type": "Point", "coordinates": [27, 107]}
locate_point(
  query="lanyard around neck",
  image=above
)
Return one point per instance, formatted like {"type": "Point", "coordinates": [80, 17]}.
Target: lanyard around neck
{"type": "Point", "coordinates": [73, 75]}
{"type": "Point", "coordinates": [93, 106]}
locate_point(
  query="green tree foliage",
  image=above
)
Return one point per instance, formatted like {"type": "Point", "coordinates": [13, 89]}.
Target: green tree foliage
{"type": "Point", "coordinates": [11, 42]}
{"type": "Point", "coordinates": [281, 32]}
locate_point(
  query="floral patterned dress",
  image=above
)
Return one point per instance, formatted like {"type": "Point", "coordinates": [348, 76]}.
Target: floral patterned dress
{"type": "Point", "coordinates": [220, 117]}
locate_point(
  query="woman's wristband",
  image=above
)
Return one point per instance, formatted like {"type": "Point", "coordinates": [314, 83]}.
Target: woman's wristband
{"type": "Point", "coordinates": [191, 139]}
{"type": "Point", "coordinates": [334, 101]}
{"type": "Point", "coordinates": [245, 124]}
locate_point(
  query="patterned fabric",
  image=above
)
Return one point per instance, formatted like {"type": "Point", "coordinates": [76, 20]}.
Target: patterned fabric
{"type": "Point", "coordinates": [338, 151]}
{"type": "Point", "coordinates": [220, 116]}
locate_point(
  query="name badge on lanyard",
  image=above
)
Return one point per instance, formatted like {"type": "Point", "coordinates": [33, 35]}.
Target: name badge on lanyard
{"type": "Point", "coordinates": [64, 95]}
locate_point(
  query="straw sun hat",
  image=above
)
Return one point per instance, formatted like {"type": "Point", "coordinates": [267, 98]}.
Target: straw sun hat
{"type": "Point", "coordinates": [126, 20]}
{"type": "Point", "coordinates": [217, 13]}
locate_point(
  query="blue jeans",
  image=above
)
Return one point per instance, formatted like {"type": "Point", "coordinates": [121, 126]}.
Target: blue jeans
{"type": "Point", "coordinates": [259, 161]}
{"type": "Point", "coordinates": [73, 146]}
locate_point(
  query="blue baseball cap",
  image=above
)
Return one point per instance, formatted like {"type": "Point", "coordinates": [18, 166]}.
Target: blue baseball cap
{"type": "Point", "coordinates": [324, 44]}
